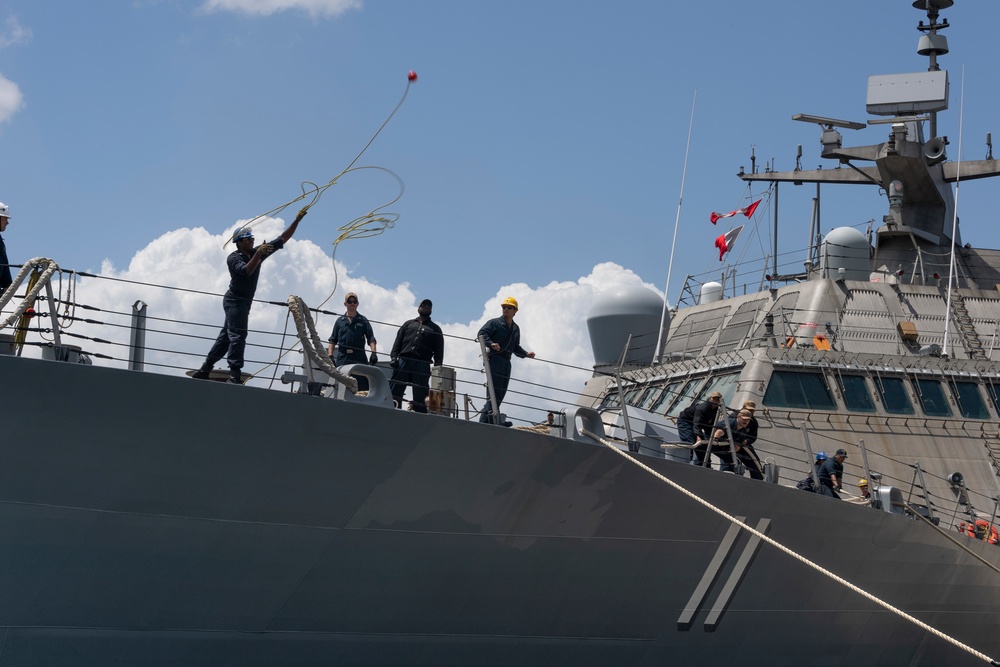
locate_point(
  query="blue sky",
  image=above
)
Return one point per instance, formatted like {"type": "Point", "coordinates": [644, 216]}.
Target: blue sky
{"type": "Point", "coordinates": [541, 140]}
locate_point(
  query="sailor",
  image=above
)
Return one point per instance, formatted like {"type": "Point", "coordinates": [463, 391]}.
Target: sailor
{"type": "Point", "coordinates": [863, 497]}
{"type": "Point", "coordinates": [351, 331]}
{"type": "Point", "coordinates": [808, 484]}
{"type": "Point", "coordinates": [503, 338]}
{"type": "Point", "coordinates": [695, 422]}
{"type": "Point", "coordinates": [831, 474]}
{"type": "Point", "coordinates": [418, 342]}
{"type": "Point", "coordinates": [243, 275]}
{"type": "Point", "coordinates": [747, 454]}
{"type": "Point", "coordinates": [5, 278]}
{"type": "Point", "coordinates": [739, 426]}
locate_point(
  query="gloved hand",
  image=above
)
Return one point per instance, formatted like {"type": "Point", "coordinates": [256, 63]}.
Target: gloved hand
{"type": "Point", "coordinates": [394, 363]}
{"type": "Point", "coordinates": [372, 359]}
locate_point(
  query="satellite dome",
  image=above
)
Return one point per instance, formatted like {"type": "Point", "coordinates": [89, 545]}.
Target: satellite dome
{"type": "Point", "coordinates": [621, 311]}
{"type": "Point", "coordinates": [710, 292]}
{"type": "Point", "coordinates": [846, 248]}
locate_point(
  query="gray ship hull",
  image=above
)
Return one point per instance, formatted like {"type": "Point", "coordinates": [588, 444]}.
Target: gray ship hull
{"type": "Point", "coordinates": [150, 519]}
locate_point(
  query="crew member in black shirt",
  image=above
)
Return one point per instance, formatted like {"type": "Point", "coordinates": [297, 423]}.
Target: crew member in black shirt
{"type": "Point", "coordinates": [418, 342]}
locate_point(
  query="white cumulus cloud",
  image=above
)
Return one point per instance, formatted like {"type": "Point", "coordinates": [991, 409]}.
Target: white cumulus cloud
{"type": "Point", "coordinates": [11, 99]}
{"type": "Point", "coordinates": [14, 33]}
{"type": "Point", "coordinates": [266, 7]}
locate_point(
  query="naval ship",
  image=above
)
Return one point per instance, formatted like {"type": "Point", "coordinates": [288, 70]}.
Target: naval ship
{"type": "Point", "coordinates": [322, 526]}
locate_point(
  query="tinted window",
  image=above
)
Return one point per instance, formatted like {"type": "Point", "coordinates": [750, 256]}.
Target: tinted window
{"type": "Point", "coordinates": [798, 390]}
{"type": "Point", "coordinates": [993, 391]}
{"type": "Point", "coordinates": [932, 399]}
{"type": "Point", "coordinates": [893, 394]}
{"type": "Point", "coordinates": [611, 400]}
{"type": "Point", "coordinates": [855, 392]}
{"type": "Point", "coordinates": [648, 396]}
{"type": "Point", "coordinates": [724, 384]}
{"type": "Point", "coordinates": [684, 398]}
{"type": "Point", "coordinates": [969, 400]}
{"type": "Point", "coordinates": [667, 397]}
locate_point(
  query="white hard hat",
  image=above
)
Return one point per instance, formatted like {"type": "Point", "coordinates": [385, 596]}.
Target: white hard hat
{"type": "Point", "coordinates": [4, 210]}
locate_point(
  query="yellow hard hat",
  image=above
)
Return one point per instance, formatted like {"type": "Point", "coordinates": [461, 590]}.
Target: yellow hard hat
{"type": "Point", "coordinates": [509, 301]}
{"type": "Point", "coordinates": [863, 482]}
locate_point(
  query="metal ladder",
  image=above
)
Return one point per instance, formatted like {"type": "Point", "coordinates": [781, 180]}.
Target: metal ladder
{"type": "Point", "coordinates": [973, 344]}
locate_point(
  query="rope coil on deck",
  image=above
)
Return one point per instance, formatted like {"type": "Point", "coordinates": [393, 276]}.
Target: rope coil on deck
{"type": "Point", "coordinates": [43, 279]}
{"type": "Point", "coordinates": [313, 346]}
{"type": "Point", "coordinates": [796, 556]}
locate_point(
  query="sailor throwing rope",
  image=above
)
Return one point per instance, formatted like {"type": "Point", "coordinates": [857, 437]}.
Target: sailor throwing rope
{"type": "Point", "coordinates": [243, 263]}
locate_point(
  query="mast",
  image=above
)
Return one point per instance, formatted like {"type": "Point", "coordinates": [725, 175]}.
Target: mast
{"type": "Point", "coordinates": [658, 352]}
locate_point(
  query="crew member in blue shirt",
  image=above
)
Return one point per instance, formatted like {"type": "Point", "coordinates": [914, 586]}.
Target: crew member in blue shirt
{"type": "Point", "coordinates": [243, 264]}
{"type": "Point", "coordinates": [503, 338]}
{"type": "Point", "coordinates": [351, 332]}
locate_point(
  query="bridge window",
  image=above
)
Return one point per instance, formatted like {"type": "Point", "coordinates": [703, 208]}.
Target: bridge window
{"type": "Point", "coordinates": [724, 384]}
{"type": "Point", "coordinates": [932, 398]}
{"type": "Point", "coordinates": [969, 400]}
{"type": "Point", "coordinates": [684, 398]}
{"type": "Point", "coordinates": [647, 397]}
{"type": "Point", "coordinates": [893, 394]}
{"type": "Point", "coordinates": [798, 390]}
{"type": "Point", "coordinates": [855, 392]}
{"type": "Point", "coordinates": [611, 400]}
{"type": "Point", "coordinates": [667, 397]}
{"type": "Point", "coordinates": [993, 391]}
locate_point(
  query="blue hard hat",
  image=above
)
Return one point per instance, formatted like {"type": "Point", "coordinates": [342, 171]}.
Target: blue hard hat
{"type": "Point", "coordinates": [242, 233]}
{"type": "Point", "coordinates": [821, 456]}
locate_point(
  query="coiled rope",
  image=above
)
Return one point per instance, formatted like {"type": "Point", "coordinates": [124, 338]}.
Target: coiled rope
{"type": "Point", "coordinates": [317, 191]}
{"type": "Point", "coordinates": [796, 556]}
{"type": "Point", "coordinates": [35, 285]}
{"type": "Point", "coordinates": [313, 346]}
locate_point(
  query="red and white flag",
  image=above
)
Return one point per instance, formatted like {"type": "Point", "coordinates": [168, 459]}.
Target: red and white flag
{"type": "Point", "coordinates": [726, 242]}
{"type": "Point", "coordinates": [746, 210]}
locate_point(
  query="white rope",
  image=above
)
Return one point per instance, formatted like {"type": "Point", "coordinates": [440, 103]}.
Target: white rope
{"type": "Point", "coordinates": [802, 559]}
{"type": "Point", "coordinates": [50, 268]}
{"type": "Point", "coordinates": [313, 346]}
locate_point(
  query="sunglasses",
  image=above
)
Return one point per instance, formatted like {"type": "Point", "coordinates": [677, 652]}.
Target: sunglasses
{"type": "Point", "coordinates": [507, 307]}
{"type": "Point", "coordinates": [354, 301]}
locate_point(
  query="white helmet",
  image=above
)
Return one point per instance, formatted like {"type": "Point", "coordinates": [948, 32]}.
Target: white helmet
{"type": "Point", "coordinates": [4, 210]}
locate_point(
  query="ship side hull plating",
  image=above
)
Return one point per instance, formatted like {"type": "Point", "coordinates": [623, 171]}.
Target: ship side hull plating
{"type": "Point", "coordinates": [155, 519]}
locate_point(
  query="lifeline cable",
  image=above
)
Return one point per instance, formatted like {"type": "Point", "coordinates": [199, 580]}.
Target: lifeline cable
{"type": "Point", "coordinates": [802, 559]}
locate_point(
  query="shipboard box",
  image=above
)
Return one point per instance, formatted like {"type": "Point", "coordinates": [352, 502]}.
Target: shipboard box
{"type": "Point", "coordinates": [907, 331]}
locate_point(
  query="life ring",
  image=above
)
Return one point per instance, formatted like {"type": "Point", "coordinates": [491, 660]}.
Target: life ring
{"type": "Point", "coordinates": [982, 530]}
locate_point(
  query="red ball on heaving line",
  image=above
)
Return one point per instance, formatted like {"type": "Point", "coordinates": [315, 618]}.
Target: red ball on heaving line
{"type": "Point", "coordinates": [411, 75]}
